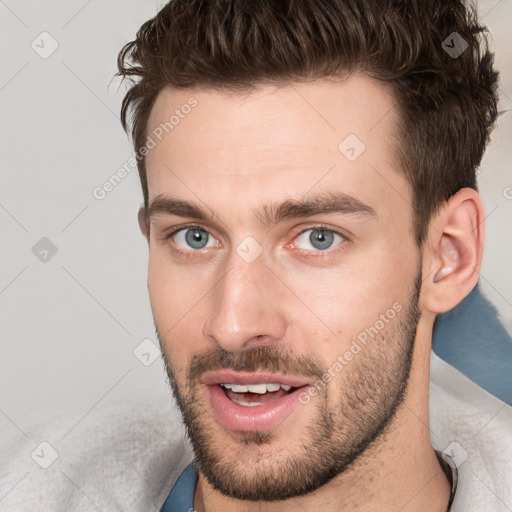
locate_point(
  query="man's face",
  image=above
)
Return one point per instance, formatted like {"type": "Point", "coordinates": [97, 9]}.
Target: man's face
{"type": "Point", "coordinates": [321, 299]}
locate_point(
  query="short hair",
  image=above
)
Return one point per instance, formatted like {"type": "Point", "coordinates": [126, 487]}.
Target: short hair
{"type": "Point", "coordinates": [447, 102]}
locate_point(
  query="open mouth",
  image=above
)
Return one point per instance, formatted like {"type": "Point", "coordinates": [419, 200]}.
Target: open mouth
{"type": "Point", "coordinates": [252, 402]}
{"type": "Point", "coordinates": [254, 395]}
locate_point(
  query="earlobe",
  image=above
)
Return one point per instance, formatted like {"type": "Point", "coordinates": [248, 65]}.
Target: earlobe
{"type": "Point", "coordinates": [453, 254]}
{"type": "Point", "coordinates": [143, 222]}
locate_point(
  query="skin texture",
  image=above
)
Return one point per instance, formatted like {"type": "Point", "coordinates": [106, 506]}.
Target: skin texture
{"type": "Point", "coordinates": [363, 443]}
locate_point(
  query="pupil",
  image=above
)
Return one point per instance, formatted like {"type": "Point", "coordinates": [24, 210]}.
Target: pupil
{"type": "Point", "coordinates": [321, 239]}
{"type": "Point", "coordinates": [196, 238]}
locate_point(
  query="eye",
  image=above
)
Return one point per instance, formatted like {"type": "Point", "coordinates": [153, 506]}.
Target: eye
{"type": "Point", "coordinates": [320, 238]}
{"type": "Point", "coordinates": [192, 238]}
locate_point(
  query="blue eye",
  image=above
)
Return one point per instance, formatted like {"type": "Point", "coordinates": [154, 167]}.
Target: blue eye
{"type": "Point", "coordinates": [193, 238]}
{"type": "Point", "coordinates": [320, 238]}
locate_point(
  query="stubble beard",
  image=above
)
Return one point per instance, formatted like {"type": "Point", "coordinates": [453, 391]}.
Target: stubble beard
{"type": "Point", "coordinates": [373, 384]}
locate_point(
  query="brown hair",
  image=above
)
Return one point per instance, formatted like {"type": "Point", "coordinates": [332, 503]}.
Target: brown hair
{"type": "Point", "coordinates": [448, 102]}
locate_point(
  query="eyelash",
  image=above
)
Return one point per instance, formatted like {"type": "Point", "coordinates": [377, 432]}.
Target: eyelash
{"type": "Point", "coordinates": [310, 254]}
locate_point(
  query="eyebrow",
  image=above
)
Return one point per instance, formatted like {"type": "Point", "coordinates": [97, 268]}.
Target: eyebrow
{"type": "Point", "coordinates": [271, 214]}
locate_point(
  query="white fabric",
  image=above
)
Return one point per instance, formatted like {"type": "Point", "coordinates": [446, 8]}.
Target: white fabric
{"type": "Point", "coordinates": [127, 457]}
{"type": "Point", "coordinates": [481, 425]}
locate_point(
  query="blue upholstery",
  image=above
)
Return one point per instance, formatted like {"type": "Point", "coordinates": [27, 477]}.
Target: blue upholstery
{"type": "Point", "coordinates": [471, 338]}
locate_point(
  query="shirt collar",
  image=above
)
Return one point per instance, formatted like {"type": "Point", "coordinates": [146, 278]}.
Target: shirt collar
{"type": "Point", "coordinates": [181, 496]}
{"type": "Point", "coordinates": [452, 473]}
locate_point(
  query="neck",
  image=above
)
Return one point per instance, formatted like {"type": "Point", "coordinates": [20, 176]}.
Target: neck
{"type": "Point", "coordinates": [400, 471]}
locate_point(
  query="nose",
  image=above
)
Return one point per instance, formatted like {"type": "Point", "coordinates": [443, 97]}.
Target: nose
{"type": "Point", "coordinates": [247, 307]}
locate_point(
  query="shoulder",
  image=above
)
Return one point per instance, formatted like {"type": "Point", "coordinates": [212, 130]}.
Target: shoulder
{"type": "Point", "coordinates": [117, 457]}
{"type": "Point", "coordinates": [473, 427]}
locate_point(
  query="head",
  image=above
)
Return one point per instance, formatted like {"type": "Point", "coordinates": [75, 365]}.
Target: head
{"type": "Point", "coordinates": [308, 172]}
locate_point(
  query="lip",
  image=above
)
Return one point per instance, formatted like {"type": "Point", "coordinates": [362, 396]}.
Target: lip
{"type": "Point", "coordinates": [260, 418]}
{"type": "Point", "coordinates": [245, 378]}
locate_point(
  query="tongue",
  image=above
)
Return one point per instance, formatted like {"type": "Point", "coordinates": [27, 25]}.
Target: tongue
{"type": "Point", "coordinates": [255, 397]}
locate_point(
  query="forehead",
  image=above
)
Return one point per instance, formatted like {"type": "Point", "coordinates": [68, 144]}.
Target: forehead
{"type": "Point", "coordinates": [275, 143]}
{"type": "Point", "coordinates": [329, 106]}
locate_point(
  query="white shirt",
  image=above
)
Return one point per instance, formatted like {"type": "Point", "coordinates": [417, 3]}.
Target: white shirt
{"type": "Point", "coordinates": [127, 457]}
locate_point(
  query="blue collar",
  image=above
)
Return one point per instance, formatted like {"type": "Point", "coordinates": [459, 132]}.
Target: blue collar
{"type": "Point", "coordinates": [181, 496]}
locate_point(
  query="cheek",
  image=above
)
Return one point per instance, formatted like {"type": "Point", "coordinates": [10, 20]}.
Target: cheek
{"type": "Point", "coordinates": [178, 302]}
{"type": "Point", "coordinates": [173, 290]}
{"type": "Point", "coordinates": [336, 295]}
{"type": "Point", "coordinates": [344, 301]}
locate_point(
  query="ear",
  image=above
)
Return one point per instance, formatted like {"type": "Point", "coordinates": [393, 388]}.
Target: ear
{"type": "Point", "coordinates": [453, 251]}
{"type": "Point", "coordinates": [143, 222]}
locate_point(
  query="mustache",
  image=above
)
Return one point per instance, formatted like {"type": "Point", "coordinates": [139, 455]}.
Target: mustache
{"type": "Point", "coordinates": [269, 359]}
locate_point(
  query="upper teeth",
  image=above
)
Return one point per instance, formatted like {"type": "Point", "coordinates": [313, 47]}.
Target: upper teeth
{"type": "Point", "coordinates": [256, 388]}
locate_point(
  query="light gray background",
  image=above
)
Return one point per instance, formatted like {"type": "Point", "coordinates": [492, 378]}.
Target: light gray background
{"type": "Point", "coordinates": [69, 326]}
